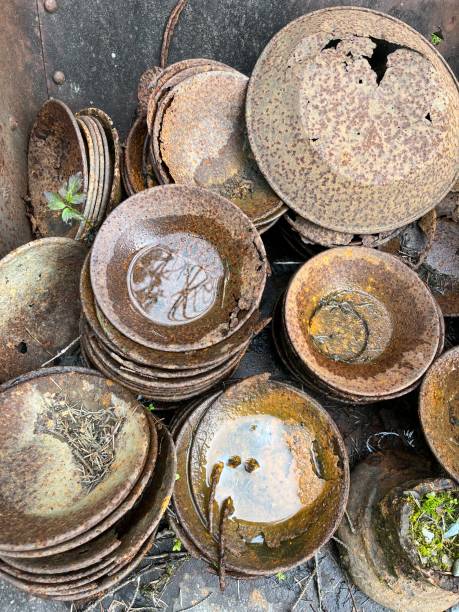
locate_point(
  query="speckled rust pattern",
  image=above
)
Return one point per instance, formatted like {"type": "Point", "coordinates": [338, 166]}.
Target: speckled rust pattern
{"type": "Point", "coordinates": [439, 410]}
{"type": "Point", "coordinates": [349, 141]}
{"type": "Point", "coordinates": [408, 346]}
{"type": "Point", "coordinates": [316, 234]}
{"type": "Point", "coordinates": [39, 303]}
{"type": "Point", "coordinates": [114, 148]}
{"type": "Point", "coordinates": [262, 560]}
{"type": "Point", "coordinates": [373, 555]}
{"type": "Point", "coordinates": [172, 74]}
{"type": "Point", "coordinates": [227, 259]}
{"type": "Point", "coordinates": [56, 152]}
{"type": "Point", "coordinates": [200, 138]}
{"type": "Point", "coordinates": [43, 501]}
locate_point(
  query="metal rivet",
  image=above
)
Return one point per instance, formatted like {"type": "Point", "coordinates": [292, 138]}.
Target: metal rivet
{"type": "Point", "coordinates": [58, 77]}
{"type": "Point", "coordinates": [50, 6]}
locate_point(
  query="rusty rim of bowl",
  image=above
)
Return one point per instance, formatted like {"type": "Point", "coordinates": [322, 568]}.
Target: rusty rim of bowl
{"type": "Point", "coordinates": [363, 294]}
{"type": "Point", "coordinates": [440, 269]}
{"type": "Point", "coordinates": [218, 158]}
{"type": "Point", "coordinates": [36, 279]}
{"type": "Point", "coordinates": [108, 172]}
{"type": "Point", "coordinates": [191, 517]}
{"type": "Point", "coordinates": [148, 371]}
{"type": "Point", "coordinates": [62, 578]}
{"type": "Point", "coordinates": [93, 165]}
{"type": "Point", "coordinates": [160, 85]}
{"type": "Point", "coordinates": [79, 543]}
{"type": "Point", "coordinates": [329, 238]}
{"type": "Point", "coordinates": [149, 380]}
{"type": "Point", "coordinates": [114, 148]}
{"type": "Point", "coordinates": [414, 241]}
{"type": "Point", "coordinates": [160, 223]}
{"type": "Point", "coordinates": [110, 337]}
{"type": "Point", "coordinates": [439, 410]}
{"type": "Point", "coordinates": [174, 392]}
{"type": "Point", "coordinates": [87, 508]}
{"type": "Point", "coordinates": [293, 120]}
{"type": "Point", "coordinates": [109, 582]}
{"type": "Point", "coordinates": [146, 83]}
{"type": "Point", "coordinates": [56, 152]}
{"type": "Point", "coordinates": [134, 156]}
{"type": "Point", "coordinates": [99, 169]}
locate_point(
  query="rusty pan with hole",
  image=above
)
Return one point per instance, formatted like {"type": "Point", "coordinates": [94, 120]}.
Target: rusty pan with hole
{"type": "Point", "coordinates": [39, 303]}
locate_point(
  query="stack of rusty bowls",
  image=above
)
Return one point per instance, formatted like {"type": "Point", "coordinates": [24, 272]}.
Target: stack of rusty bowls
{"type": "Point", "coordinates": [352, 118]}
{"type": "Point", "coordinates": [263, 478]}
{"type": "Point", "coordinates": [63, 146]}
{"type": "Point", "coordinates": [194, 133]}
{"type": "Point", "coordinates": [357, 324]}
{"type": "Point", "coordinates": [86, 475]}
{"type": "Point", "coordinates": [171, 292]}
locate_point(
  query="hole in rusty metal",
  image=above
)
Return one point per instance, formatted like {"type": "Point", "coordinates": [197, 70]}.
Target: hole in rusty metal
{"type": "Point", "coordinates": [332, 44]}
{"type": "Point", "coordinates": [22, 347]}
{"type": "Point", "coordinates": [378, 60]}
{"type": "Point", "coordinates": [314, 139]}
{"type": "Point", "coordinates": [428, 117]}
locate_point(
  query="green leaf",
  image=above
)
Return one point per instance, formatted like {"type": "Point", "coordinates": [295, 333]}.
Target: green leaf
{"type": "Point", "coordinates": [151, 407]}
{"type": "Point", "coordinates": [177, 477]}
{"type": "Point", "coordinates": [63, 191]}
{"type": "Point", "coordinates": [77, 198]}
{"type": "Point", "coordinates": [69, 213]}
{"type": "Point", "coordinates": [54, 201]}
{"type": "Point", "coordinates": [177, 545]}
{"type": "Point", "coordinates": [436, 38]}
{"type": "Point", "coordinates": [280, 576]}
{"type": "Point", "coordinates": [74, 183]}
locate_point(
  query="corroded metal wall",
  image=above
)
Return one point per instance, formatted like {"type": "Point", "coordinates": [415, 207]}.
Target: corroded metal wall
{"type": "Point", "coordinates": [22, 90]}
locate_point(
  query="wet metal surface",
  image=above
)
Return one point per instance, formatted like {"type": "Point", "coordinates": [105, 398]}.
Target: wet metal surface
{"type": "Point", "coordinates": [39, 303]}
{"type": "Point", "coordinates": [365, 290]}
{"type": "Point", "coordinates": [439, 410]}
{"type": "Point", "coordinates": [127, 273]}
{"type": "Point", "coordinates": [340, 165]}
{"type": "Point", "coordinates": [52, 504]}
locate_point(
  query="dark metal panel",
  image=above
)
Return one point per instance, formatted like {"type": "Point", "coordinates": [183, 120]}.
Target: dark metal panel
{"type": "Point", "coordinates": [103, 46]}
{"type": "Point", "coordinates": [22, 90]}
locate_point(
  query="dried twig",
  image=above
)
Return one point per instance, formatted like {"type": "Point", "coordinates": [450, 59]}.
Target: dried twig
{"type": "Point", "coordinates": [169, 31]}
{"type": "Point", "coordinates": [348, 518]}
{"type": "Point", "coordinates": [136, 592]}
{"type": "Point", "coordinates": [64, 350]}
{"type": "Point", "coordinates": [349, 588]}
{"type": "Point", "coordinates": [303, 590]}
{"type": "Point", "coordinates": [214, 479]}
{"type": "Point", "coordinates": [37, 340]}
{"type": "Point", "coordinates": [197, 603]}
{"type": "Point", "coordinates": [319, 591]}
{"type": "Point", "coordinates": [226, 511]}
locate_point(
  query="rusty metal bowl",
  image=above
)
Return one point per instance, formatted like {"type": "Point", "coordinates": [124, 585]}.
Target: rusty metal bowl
{"type": "Point", "coordinates": [199, 139]}
{"type": "Point", "coordinates": [172, 74]}
{"type": "Point", "coordinates": [39, 303]}
{"type": "Point", "coordinates": [203, 359]}
{"type": "Point", "coordinates": [52, 503]}
{"type": "Point", "coordinates": [136, 179]}
{"type": "Point", "coordinates": [56, 152]}
{"type": "Point", "coordinates": [292, 529]}
{"type": "Point", "coordinates": [114, 149]}
{"type": "Point", "coordinates": [362, 322]}
{"type": "Point", "coordinates": [93, 184]}
{"type": "Point", "coordinates": [152, 249]}
{"type": "Point", "coordinates": [439, 410]}
{"type": "Point", "coordinates": [353, 119]}
{"type": "Point", "coordinates": [440, 269]}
